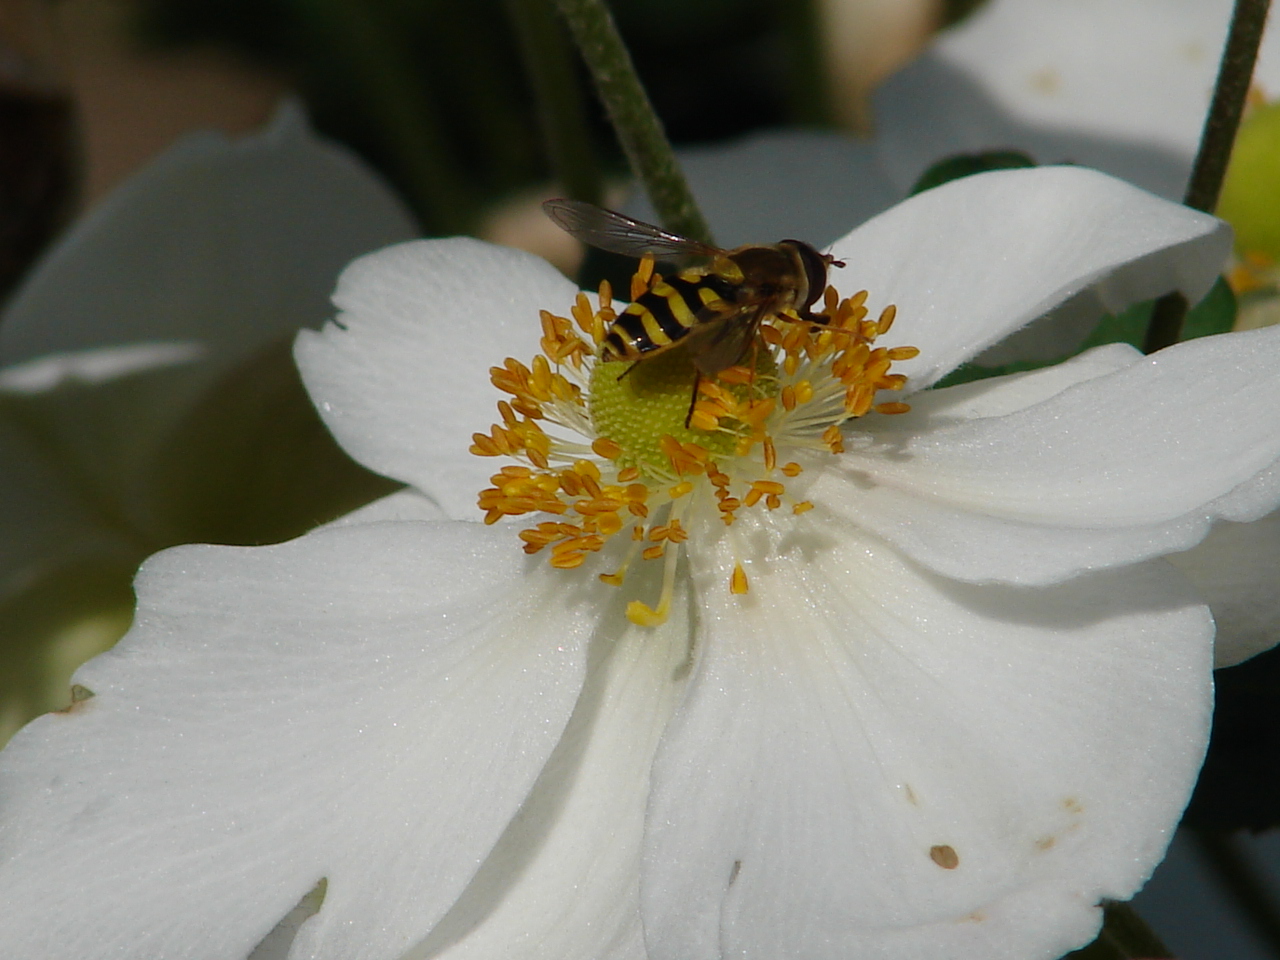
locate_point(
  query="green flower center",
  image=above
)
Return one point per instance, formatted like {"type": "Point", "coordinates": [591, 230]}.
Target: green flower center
{"type": "Point", "coordinates": [636, 406]}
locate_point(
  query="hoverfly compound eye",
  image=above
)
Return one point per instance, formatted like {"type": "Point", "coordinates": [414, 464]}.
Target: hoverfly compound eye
{"type": "Point", "coordinates": [815, 270]}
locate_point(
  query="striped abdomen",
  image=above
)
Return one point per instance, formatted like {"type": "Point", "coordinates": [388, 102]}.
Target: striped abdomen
{"type": "Point", "coordinates": [663, 314]}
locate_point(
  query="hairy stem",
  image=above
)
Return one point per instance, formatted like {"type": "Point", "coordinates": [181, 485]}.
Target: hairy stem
{"type": "Point", "coordinates": [808, 95]}
{"type": "Point", "coordinates": [1234, 73]}
{"type": "Point", "coordinates": [638, 128]}
{"type": "Point", "coordinates": [549, 61]}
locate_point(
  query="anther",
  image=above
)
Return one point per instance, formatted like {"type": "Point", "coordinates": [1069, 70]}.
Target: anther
{"type": "Point", "coordinates": [886, 319]}
{"type": "Point", "coordinates": [833, 439]}
{"type": "Point", "coordinates": [894, 407]}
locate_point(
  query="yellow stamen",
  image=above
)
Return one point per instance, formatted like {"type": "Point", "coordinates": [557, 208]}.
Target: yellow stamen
{"type": "Point", "coordinates": [799, 382]}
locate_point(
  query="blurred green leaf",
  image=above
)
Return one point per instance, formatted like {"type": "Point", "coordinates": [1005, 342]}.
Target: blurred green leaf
{"type": "Point", "coordinates": [1216, 313]}
{"type": "Point", "coordinates": [253, 463]}
{"type": "Point", "coordinates": [52, 625]}
{"type": "Point", "coordinates": [967, 164]}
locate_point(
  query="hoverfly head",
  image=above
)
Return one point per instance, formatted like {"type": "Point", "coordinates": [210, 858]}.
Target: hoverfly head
{"type": "Point", "coordinates": [815, 266]}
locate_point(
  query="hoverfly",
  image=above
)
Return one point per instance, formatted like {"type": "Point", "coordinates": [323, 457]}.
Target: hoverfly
{"type": "Point", "coordinates": [714, 311]}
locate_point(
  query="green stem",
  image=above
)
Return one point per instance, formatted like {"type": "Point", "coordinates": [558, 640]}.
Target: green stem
{"type": "Point", "coordinates": [1248, 20]}
{"type": "Point", "coordinates": [1249, 889]}
{"type": "Point", "coordinates": [549, 61]}
{"type": "Point", "coordinates": [637, 125]}
{"type": "Point", "coordinates": [808, 95]}
{"type": "Point", "coordinates": [1234, 74]}
{"type": "Point", "coordinates": [1124, 936]}
{"type": "Point", "coordinates": [436, 186]}
{"type": "Point", "coordinates": [473, 71]}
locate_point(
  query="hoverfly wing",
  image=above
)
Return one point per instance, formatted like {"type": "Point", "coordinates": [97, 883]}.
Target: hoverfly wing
{"type": "Point", "coordinates": [721, 340]}
{"type": "Point", "coordinates": [611, 231]}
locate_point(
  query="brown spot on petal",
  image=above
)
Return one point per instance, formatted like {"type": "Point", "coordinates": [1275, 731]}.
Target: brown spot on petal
{"type": "Point", "coordinates": [911, 795]}
{"type": "Point", "coordinates": [1045, 843]}
{"type": "Point", "coordinates": [1072, 805]}
{"type": "Point", "coordinates": [944, 856]}
{"type": "Point", "coordinates": [79, 696]}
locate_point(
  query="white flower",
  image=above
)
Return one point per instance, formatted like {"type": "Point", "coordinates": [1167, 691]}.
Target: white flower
{"type": "Point", "coordinates": [145, 383]}
{"type": "Point", "coordinates": [1123, 87]}
{"type": "Point", "coordinates": [959, 703]}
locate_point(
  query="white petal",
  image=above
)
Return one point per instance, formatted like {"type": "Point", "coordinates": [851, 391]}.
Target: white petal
{"type": "Point", "coordinates": [811, 185]}
{"type": "Point", "coordinates": [563, 884]}
{"type": "Point", "coordinates": [368, 704]}
{"type": "Point", "coordinates": [1237, 571]}
{"type": "Point", "coordinates": [402, 378]}
{"type": "Point", "coordinates": [229, 243]}
{"type": "Point", "coordinates": [874, 762]}
{"type": "Point", "coordinates": [997, 396]}
{"type": "Point", "coordinates": [1119, 86]}
{"type": "Point", "coordinates": [972, 261]}
{"type": "Point", "coordinates": [407, 504]}
{"type": "Point", "coordinates": [1122, 467]}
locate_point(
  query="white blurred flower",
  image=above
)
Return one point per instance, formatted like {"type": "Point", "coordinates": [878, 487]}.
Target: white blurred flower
{"type": "Point", "coordinates": [958, 703]}
{"type": "Point", "coordinates": [146, 394]}
{"type": "Point", "coordinates": [1122, 87]}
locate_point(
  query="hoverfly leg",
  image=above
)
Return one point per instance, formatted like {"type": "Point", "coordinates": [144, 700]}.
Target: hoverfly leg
{"type": "Point", "coordinates": [633, 365]}
{"type": "Point", "coordinates": [693, 400]}
{"type": "Point", "coordinates": [817, 319]}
